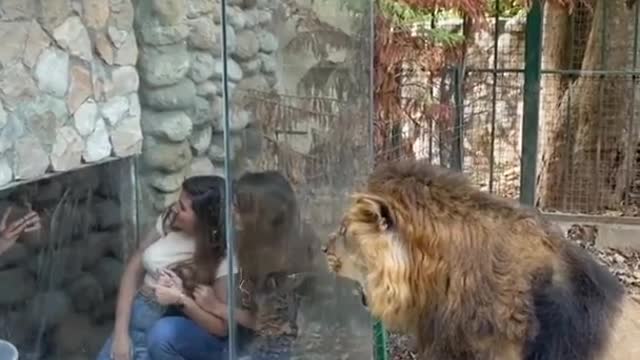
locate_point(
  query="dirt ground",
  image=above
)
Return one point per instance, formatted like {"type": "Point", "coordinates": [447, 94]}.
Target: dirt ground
{"type": "Point", "coordinates": [624, 264]}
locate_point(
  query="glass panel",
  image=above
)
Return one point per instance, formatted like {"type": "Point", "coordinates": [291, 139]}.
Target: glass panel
{"type": "Point", "coordinates": [298, 79]}
{"type": "Point", "coordinates": [60, 283]}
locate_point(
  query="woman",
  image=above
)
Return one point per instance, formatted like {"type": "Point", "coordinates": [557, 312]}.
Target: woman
{"type": "Point", "coordinates": [271, 246]}
{"type": "Point", "coordinates": [189, 239]}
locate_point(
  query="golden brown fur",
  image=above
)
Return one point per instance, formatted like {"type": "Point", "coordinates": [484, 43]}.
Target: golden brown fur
{"type": "Point", "coordinates": [474, 276]}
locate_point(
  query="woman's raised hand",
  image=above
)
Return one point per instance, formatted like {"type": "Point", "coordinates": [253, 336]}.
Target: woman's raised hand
{"type": "Point", "coordinates": [9, 233]}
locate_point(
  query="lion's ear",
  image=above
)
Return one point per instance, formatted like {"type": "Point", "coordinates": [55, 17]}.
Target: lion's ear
{"type": "Point", "coordinates": [378, 207]}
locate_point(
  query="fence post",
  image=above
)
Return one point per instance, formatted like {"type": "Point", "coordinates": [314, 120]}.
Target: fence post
{"type": "Point", "coordinates": [531, 105]}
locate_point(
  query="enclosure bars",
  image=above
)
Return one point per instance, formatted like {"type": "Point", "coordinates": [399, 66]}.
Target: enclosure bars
{"type": "Point", "coordinates": [228, 190]}
{"type": "Point", "coordinates": [531, 106]}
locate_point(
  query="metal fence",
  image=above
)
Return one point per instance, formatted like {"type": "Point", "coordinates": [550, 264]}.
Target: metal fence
{"type": "Point", "coordinates": [542, 107]}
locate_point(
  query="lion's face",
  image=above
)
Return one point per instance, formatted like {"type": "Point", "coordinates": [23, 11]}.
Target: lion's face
{"type": "Point", "coordinates": [368, 248]}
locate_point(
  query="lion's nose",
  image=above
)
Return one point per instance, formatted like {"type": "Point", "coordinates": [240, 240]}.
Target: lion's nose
{"type": "Point", "coordinates": [324, 249]}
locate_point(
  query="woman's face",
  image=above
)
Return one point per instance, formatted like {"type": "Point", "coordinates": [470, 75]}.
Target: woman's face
{"type": "Point", "coordinates": [185, 218]}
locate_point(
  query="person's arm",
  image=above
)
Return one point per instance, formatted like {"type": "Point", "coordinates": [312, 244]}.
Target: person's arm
{"type": "Point", "coordinates": [242, 316]}
{"type": "Point", "coordinates": [129, 283]}
{"type": "Point", "coordinates": [210, 322]}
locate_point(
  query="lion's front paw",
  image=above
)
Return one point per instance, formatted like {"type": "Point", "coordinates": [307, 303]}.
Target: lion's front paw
{"type": "Point", "coordinates": [334, 263]}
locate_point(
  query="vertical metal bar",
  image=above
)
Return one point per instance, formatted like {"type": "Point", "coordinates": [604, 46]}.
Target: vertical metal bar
{"type": "Point", "coordinates": [531, 106]}
{"type": "Point", "coordinates": [379, 332]}
{"type": "Point", "coordinates": [228, 188]}
{"type": "Point", "coordinates": [568, 169]}
{"type": "Point", "coordinates": [631, 131]}
{"type": "Point", "coordinates": [494, 95]}
{"type": "Point", "coordinates": [458, 131]}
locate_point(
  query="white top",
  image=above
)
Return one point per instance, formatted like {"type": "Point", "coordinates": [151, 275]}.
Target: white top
{"type": "Point", "coordinates": [171, 248]}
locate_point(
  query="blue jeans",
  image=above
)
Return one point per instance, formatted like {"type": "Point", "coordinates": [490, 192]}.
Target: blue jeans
{"type": "Point", "coordinates": [145, 312]}
{"type": "Point", "coordinates": [179, 338]}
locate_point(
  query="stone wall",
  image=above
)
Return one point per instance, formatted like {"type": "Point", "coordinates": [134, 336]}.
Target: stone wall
{"type": "Point", "coordinates": [68, 85]}
{"type": "Point", "coordinates": [60, 285]}
{"type": "Point", "coordinates": [180, 67]}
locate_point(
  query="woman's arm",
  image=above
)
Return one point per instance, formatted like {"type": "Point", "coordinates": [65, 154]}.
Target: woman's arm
{"type": "Point", "coordinates": [129, 283]}
{"type": "Point", "coordinates": [212, 323]}
{"type": "Point", "coordinates": [220, 308]}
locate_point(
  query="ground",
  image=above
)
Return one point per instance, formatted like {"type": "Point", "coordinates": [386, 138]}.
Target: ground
{"type": "Point", "coordinates": [625, 265]}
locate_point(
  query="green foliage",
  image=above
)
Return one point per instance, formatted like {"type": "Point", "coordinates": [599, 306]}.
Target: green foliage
{"type": "Point", "coordinates": [504, 8]}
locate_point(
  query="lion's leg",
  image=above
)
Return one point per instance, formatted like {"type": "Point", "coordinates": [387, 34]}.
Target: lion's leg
{"type": "Point", "coordinates": [624, 341]}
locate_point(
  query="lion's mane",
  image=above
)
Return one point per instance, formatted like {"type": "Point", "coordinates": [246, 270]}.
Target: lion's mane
{"type": "Point", "coordinates": [475, 276]}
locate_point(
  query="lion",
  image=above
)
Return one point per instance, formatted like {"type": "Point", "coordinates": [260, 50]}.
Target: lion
{"type": "Point", "coordinates": [473, 276]}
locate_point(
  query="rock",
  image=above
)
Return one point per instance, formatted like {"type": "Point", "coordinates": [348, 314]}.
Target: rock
{"type": "Point", "coordinates": [6, 175]}
{"type": "Point", "coordinates": [201, 66]}
{"type": "Point", "coordinates": [104, 47]}
{"type": "Point", "coordinates": [53, 13]}
{"type": "Point", "coordinates": [157, 35]}
{"type": "Point", "coordinates": [200, 140]}
{"type": "Point", "coordinates": [268, 42]}
{"type": "Point", "coordinates": [15, 255]}
{"type": "Point", "coordinates": [173, 97]}
{"type": "Point", "coordinates": [166, 65]}
{"type": "Point", "coordinates": [127, 54]}
{"type": "Point", "coordinates": [20, 282]}
{"type": "Point", "coordinates": [99, 80]}
{"type": "Point", "coordinates": [105, 312]}
{"type": "Point", "coordinates": [207, 89]}
{"type": "Point", "coordinates": [168, 157]}
{"type": "Point", "coordinates": [264, 17]}
{"type": "Point", "coordinates": [95, 13]}
{"type": "Point", "coordinates": [216, 150]}
{"type": "Point", "coordinates": [37, 40]}
{"type": "Point", "coordinates": [124, 80]}
{"type": "Point", "coordinates": [57, 266]}
{"type": "Point", "coordinates": [97, 146]}
{"type": "Point", "coordinates": [201, 166]}
{"type": "Point", "coordinates": [236, 18]}
{"type": "Point", "coordinates": [234, 71]}
{"type": "Point", "coordinates": [248, 45]}
{"type": "Point", "coordinates": [117, 35]}
{"type": "Point", "coordinates": [169, 12]}
{"type": "Point", "coordinates": [43, 116]}
{"type": "Point", "coordinates": [30, 158]}
{"type": "Point", "coordinates": [16, 85]}
{"type": "Point", "coordinates": [161, 201]}
{"type": "Point", "coordinates": [49, 308]}
{"type": "Point", "coordinates": [16, 34]}
{"type": "Point", "coordinates": [251, 67]}
{"type": "Point", "coordinates": [173, 126]}
{"type": "Point", "coordinates": [108, 272]}
{"type": "Point", "coordinates": [115, 109]}
{"type": "Point", "coordinates": [202, 112]}
{"type": "Point", "coordinates": [52, 72]}
{"type": "Point", "coordinates": [80, 87]}
{"type": "Point", "coordinates": [239, 119]}
{"type": "Point", "coordinates": [253, 83]}
{"type": "Point", "coordinates": [122, 14]}
{"type": "Point", "coordinates": [73, 36]}
{"type": "Point", "coordinates": [96, 246]}
{"type": "Point", "coordinates": [251, 17]}
{"type": "Point", "coordinates": [166, 183]}
{"type": "Point", "coordinates": [203, 33]}
{"type": "Point", "coordinates": [126, 137]}
{"type": "Point", "coordinates": [197, 8]}
{"type": "Point", "coordinates": [19, 9]}
{"type": "Point", "coordinates": [72, 334]}
{"type": "Point", "coordinates": [268, 63]}
{"type": "Point", "coordinates": [85, 292]}
{"type": "Point", "coordinates": [66, 153]}
{"type": "Point", "coordinates": [85, 118]}
{"type": "Point", "coordinates": [4, 118]}
{"type": "Point", "coordinates": [108, 214]}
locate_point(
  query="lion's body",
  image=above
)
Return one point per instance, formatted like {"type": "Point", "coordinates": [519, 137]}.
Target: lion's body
{"type": "Point", "coordinates": [474, 276]}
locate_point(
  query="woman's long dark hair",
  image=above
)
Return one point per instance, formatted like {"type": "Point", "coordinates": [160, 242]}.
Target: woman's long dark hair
{"type": "Point", "coordinates": [207, 202]}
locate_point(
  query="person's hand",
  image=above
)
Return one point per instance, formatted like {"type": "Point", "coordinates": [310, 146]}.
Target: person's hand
{"type": "Point", "coordinates": [121, 347]}
{"type": "Point", "coordinates": [169, 278]}
{"type": "Point", "coordinates": [206, 299]}
{"type": "Point", "coordinates": [9, 233]}
{"type": "Point", "coordinates": [168, 295]}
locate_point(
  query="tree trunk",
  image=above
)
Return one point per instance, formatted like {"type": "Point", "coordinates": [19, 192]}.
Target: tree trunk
{"type": "Point", "coordinates": [585, 131]}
